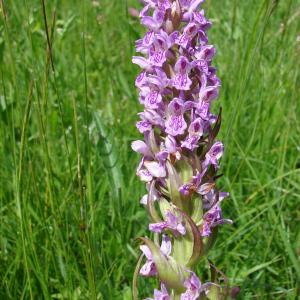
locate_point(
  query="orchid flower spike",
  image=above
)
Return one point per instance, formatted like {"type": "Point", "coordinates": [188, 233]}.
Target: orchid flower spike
{"type": "Point", "coordinates": [180, 155]}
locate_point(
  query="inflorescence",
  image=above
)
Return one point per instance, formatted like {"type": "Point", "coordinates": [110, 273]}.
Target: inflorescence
{"type": "Point", "coordinates": [180, 156]}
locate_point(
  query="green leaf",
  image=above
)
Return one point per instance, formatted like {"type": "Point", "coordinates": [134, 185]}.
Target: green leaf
{"type": "Point", "coordinates": [214, 293]}
{"type": "Point", "coordinates": [188, 248]}
{"type": "Point", "coordinates": [151, 205]}
{"type": "Point", "coordinates": [174, 182]}
{"type": "Point", "coordinates": [193, 231]}
{"type": "Point", "coordinates": [165, 206]}
{"type": "Point", "coordinates": [197, 210]}
{"type": "Point", "coordinates": [185, 170]}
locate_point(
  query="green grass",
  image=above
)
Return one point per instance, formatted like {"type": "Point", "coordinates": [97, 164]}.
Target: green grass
{"type": "Point", "coordinates": [69, 197]}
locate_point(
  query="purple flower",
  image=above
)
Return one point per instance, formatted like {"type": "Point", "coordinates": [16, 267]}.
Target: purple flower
{"type": "Point", "coordinates": [144, 126]}
{"type": "Point", "coordinates": [208, 93]}
{"type": "Point", "coordinates": [143, 45]}
{"type": "Point", "coordinates": [159, 48]}
{"type": "Point", "coordinates": [189, 188]}
{"type": "Point", "coordinates": [198, 17]}
{"type": "Point", "coordinates": [175, 124]}
{"type": "Point", "coordinates": [148, 167]}
{"type": "Point", "coordinates": [190, 4]}
{"type": "Point", "coordinates": [194, 288]}
{"type": "Point", "coordinates": [143, 173]}
{"type": "Point", "coordinates": [181, 80]}
{"type": "Point", "coordinates": [188, 34]}
{"type": "Point", "coordinates": [195, 130]}
{"type": "Point", "coordinates": [149, 269]}
{"type": "Point", "coordinates": [149, 118]}
{"type": "Point", "coordinates": [212, 197]}
{"type": "Point", "coordinates": [141, 62]}
{"type": "Point", "coordinates": [161, 5]}
{"type": "Point", "coordinates": [203, 110]}
{"type": "Point", "coordinates": [213, 218]}
{"type": "Point", "coordinates": [151, 98]}
{"type": "Point", "coordinates": [201, 66]}
{"type": "Point", "coordinates": [191, 142]}
{"type": "Point", "coordinates": [172, 222]}
{"type": "Point", "coordinates": [162, 294]}
{"type": "Point", "coordinates": [157, 53]}
{"type": "Point", "coordinates": [141, 80]}
{"type": "Point", "coordinates": [170, 144]}
{"type": "Point", "coordinates": [155, 169]}
{"type": "Point", "coordinates": [205, 53]}
{"type": "Point", "coordinates": [213, 155]}
{"type": "Point", "coordinates": [186, 189]}
{"type": "Point", "coordinates": [154, 22]}
{"type": "Point", "coordinates": [160, 80]}
{"type": "Point", "coordinates": [205, 188]}
{"type": "Point", "coordinates": [142, 148]}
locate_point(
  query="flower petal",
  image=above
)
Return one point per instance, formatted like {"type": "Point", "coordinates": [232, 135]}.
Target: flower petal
{"type": "Point", "coordinates": [182, 82]}
{"type": "Point", "coordinates": [148, 269]}
{"type": "Point", "coordinates": [141, 62]}
{"type": "Point", "coordinates": [166, 245]}
{"type": "Point", "coordinates": [144, 200]}
{"type": "Point", "coordinates": [153, 99]}
{"type": "Point", "coordinates": [145, 249]}
{"type": "Point", "coordinates": [141, 147]}
{"type": "Point", "coordinates": [155, 169]}
{"type": "Point", "coordinates": [158, 227]}
{"type": "Point", "coordinates": [144, 175]}
{"type": "Point", "coordinates": [176, 125]}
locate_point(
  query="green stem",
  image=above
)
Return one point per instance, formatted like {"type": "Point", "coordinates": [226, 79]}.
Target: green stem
{"type": "Point", "coordinates": [177, 296]}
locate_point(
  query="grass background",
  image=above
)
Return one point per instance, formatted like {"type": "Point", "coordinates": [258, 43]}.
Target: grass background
{"type": "Point", "coordinates": [69, 197]}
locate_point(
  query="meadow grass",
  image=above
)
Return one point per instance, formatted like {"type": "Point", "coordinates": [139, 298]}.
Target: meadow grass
{"type": "Point", "coordinates": [69, 196]}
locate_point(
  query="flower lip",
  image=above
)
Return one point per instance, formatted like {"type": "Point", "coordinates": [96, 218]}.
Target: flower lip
{"type": "Point", "coordinates": [193, 288]}
{"type": "Point", "coordinates": [155, 169]}
{"type": "Point", "coordinates": [172, 222]}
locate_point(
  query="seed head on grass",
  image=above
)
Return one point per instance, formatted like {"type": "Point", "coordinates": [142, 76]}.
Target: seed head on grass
{"type": "Point", "coordinates": [180, 156]}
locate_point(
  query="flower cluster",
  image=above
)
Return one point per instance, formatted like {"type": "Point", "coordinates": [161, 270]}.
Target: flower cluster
{"type": "Point", "coordinates": [180, 157]}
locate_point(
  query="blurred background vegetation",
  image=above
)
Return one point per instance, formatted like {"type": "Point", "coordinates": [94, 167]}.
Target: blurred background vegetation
{"type": "Point", "coordinates": [69, 196]}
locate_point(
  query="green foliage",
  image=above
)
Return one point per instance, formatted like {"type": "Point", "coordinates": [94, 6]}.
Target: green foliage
{"type": "Point", "coordinates": [69, 196]}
